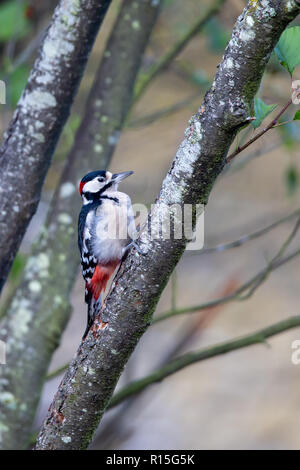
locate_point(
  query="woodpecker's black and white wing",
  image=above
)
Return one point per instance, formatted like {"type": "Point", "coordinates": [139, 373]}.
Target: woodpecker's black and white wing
{"type": "Point", "coordinates": [88, 260]}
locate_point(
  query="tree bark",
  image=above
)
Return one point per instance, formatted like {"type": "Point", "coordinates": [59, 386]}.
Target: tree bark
{"type": "Point", "coordinates": [30, 140]}
{"type": "Point", "coordinates": [87, 386]}
{"type": "Point", "coordinates": [40, 308]}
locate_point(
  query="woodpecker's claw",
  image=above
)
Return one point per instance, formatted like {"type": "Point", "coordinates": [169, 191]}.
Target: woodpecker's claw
{"type": "Point", "coordinates": [138, 249]}
{"type": "Point", "coordinates": [135, 245]}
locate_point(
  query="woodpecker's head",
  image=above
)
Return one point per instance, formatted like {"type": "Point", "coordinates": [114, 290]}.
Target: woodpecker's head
{"type": "Point", "coordinates": [97, 183]}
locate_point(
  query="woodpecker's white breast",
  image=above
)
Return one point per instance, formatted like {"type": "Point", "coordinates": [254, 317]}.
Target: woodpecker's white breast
{"type": "Point", "coordinates": [109, 227]}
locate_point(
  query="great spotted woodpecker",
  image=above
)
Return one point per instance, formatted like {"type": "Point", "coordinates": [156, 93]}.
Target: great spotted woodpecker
{"type": "Point", "coordinates": [104, 224]}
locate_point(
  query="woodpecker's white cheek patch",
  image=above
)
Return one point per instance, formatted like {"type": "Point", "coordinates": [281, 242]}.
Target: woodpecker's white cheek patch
{"type": "Point", "coordinates": [92, 186]}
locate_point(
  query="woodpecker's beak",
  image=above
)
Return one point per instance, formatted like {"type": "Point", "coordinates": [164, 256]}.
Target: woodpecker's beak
{"type": "Point", "coordinates": [118, 177]}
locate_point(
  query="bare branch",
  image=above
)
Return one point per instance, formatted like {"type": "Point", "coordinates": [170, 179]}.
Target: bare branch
{"type": "Point", "coordinates": [273, 262]}
{"type": "Point", "coordinates": [161, 113]}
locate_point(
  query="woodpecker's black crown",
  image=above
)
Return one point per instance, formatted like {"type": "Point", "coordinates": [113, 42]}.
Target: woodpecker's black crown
{"type": "Point", "coordinates": [93, 174]}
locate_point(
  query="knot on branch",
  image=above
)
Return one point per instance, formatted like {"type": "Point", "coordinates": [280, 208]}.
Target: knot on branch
{"type": "Point", "coordinates": [234, 114]}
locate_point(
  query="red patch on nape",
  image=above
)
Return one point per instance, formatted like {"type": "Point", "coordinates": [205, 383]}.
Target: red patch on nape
{"type": "Point", "coordinates": [81, 184]}
{"type": "Point", "coordinates": [100, 279]}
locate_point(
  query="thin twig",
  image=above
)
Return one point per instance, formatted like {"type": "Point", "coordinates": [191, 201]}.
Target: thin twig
{"type": "Point", "coordinates": [181, 362]}
{"type": "Point", "coordinates": [91, 379]}
{"type": "Point", "coordinates": [236, 296]}
{"type": "Point", "coordinates": [57, 372]}
{"type": "Point", "coordinates": [250, 156]}
{"type": "Point", "coordinates": [273, 261]}
{"type": "Point", "coordinates": [252, 236]}
{"type": "Point", "coordinates": [283, 123]}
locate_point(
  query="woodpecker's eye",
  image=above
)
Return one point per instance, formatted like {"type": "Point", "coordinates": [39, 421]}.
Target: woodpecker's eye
{"type": "Point", "coordinates": [101, 179]}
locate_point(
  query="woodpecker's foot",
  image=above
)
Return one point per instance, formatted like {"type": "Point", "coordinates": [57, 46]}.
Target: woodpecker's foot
{"type": "Point", "coordinates": [97, 308]}
{"type": "Point", "coordinates": [86, 331]}
{"type": "Point", "coordinates": [103, 306]}
{"type": "Point", "coordinates": [135, 245]}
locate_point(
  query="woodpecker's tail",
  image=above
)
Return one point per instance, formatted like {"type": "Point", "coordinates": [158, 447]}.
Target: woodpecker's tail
{"type": "Point", "coordinates": [92, 311]}
{"type": "Point", "coordinates": [93, 290]}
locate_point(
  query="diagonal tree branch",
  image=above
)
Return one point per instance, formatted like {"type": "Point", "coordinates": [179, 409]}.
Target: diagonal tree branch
{"type": "Point", "coordinates": [270, 126]}
{"type": "Point", "coordinates": [248, 288]}
{"type": "Point", "coordinates": [115, 428]}
{"type": "Point", "coordinates": [251, 236]}
{"type": "Point", "coordinates": [185, 360]}
{"type": "Point", "coordinates": [30, 140]}
{"type": "Point", "coordinates": [87, 387]}
{"type": "Point", "coordinates": [40, 309]}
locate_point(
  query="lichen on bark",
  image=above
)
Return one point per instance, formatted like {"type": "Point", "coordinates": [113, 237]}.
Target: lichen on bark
{"type": "Point", "coordinates": [141, 279]}
{"type": "Point", "coordinates": [51, 269]}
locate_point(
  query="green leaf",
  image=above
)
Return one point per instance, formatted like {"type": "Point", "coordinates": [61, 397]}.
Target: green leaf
{"type": "Point", "coordinates": [13, 21]}
{"type": "Point", "coordinates": [261, 111]}
{"type": "Point", "coordinates": [288, 50]}
{"type": "Point", "coordinates": [297, 116]}
{"type": "Point", "coordinates": [292, 180]}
